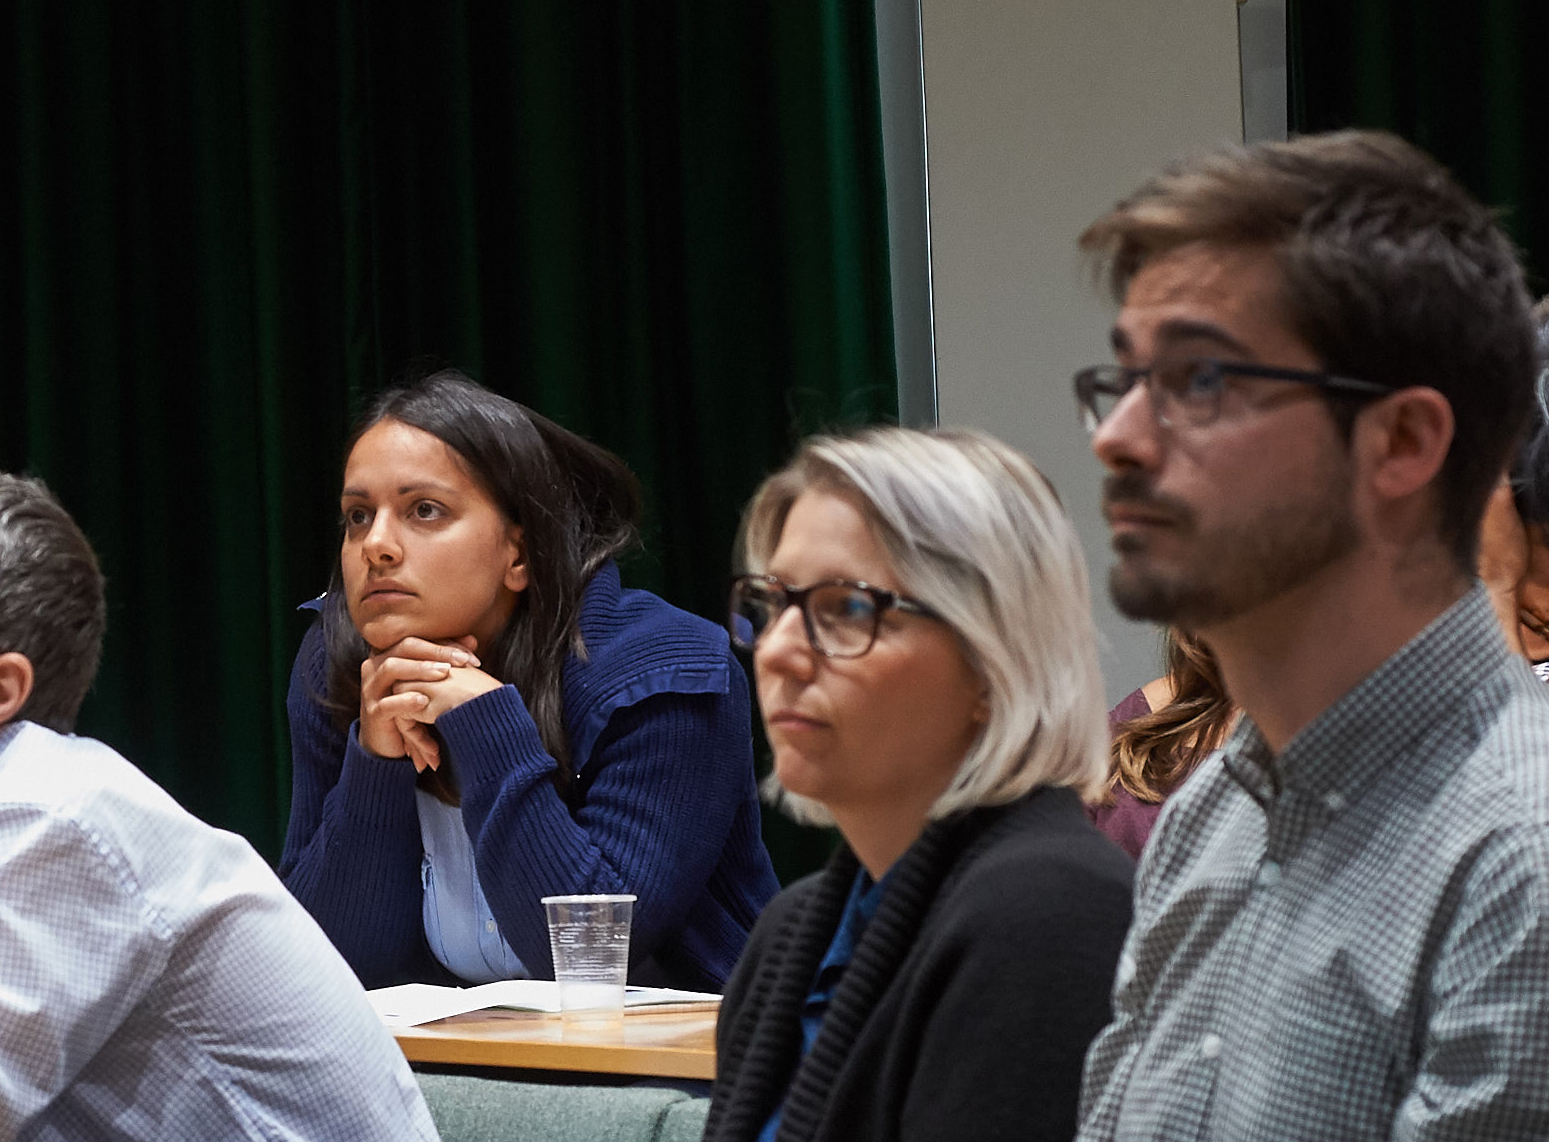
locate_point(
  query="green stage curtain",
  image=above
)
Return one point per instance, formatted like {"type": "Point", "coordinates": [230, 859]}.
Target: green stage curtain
{"type": "Point", "coordinates": [661, 224]}
{"type": "Point", "coordinates": [1462, 80]}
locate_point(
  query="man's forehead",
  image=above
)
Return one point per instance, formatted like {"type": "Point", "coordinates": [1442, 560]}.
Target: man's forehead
{"type": "Point", "coordinates": [1232, 294]}
{"type": "Point", "coordinates": [1208, 274]}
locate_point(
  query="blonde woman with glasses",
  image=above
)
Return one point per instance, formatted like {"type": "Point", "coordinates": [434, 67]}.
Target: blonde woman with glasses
{"type": "Point", "coordinates": [916, 606]}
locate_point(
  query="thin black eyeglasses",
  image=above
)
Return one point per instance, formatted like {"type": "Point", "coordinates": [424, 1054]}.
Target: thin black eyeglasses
{"type": "Point", "coordinates": [842, 616]}
{"type": "Point", "coordinates": [1188, 391]}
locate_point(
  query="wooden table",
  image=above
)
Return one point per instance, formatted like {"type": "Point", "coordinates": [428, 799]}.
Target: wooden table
{"type": "Point", "coordinates": [675, 1043]}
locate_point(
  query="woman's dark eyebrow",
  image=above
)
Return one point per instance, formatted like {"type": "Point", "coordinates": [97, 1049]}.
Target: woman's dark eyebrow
{"type": "Point", "coordinates": [403, 490]}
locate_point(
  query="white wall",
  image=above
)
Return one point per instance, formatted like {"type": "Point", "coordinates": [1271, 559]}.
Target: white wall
{"type": "Point", "coordinates": [1039, 114]}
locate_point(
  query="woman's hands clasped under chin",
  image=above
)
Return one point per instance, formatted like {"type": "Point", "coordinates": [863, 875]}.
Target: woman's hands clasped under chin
{"type": "Point", "coordinates": [406, 687]}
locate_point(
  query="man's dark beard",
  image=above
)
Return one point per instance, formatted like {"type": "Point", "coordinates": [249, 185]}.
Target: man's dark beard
{"type": "Point", "coordinates": [1261, 559]}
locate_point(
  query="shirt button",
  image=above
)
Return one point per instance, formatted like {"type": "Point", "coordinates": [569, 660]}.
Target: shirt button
{"type": "Point", "coordinates": [1126, 971]}
{"type": "Point", "coordinates": [489, 925]}
{"type": "Point", "coordinates": [1210, 1046]}
{"type": "Point", "coordinates": [1269, 874]}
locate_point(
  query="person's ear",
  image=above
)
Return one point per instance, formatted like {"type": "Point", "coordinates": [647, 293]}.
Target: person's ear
{"type": "Point", "coordinates": [15, 684]}
{"type": "Point", "coordinates": [516, 573]}
{"type": "Point", "coordinates": [1405, 436]}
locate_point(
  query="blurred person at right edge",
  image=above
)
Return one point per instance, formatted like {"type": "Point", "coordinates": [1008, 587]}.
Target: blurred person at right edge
{"type": "Point", "coordinates": [1514, 540]}
{"type": "Point", "coordinates": [1324, 360]}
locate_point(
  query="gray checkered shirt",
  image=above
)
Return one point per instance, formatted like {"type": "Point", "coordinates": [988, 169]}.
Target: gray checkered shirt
{"type": "Point", "coordinates": [1349, 941]}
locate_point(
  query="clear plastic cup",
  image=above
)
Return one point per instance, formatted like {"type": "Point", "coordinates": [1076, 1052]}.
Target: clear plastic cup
{"type": "Point", "coordinates": [589, 936]}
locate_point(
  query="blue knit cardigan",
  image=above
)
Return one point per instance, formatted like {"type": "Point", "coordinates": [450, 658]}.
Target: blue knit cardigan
{"type": "Point", "coordinates": [658, 720]}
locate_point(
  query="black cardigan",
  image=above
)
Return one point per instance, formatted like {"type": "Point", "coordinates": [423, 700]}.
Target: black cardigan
{"type": "Point", "coordinates": [970, 1000]}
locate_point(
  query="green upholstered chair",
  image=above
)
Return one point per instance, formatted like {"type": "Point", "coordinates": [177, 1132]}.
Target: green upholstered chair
{"type": "Point", "coordinates": [684, 1121]}
{"type": "Point", "coordinates": [473, 1109]}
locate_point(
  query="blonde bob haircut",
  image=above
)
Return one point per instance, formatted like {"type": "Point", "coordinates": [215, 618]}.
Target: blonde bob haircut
{"type": "Point", "coordinates": [976, 533]}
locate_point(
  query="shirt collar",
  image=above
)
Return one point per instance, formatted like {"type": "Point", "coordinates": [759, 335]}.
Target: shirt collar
{"type": "Point", "coordinates": [864, 899]}
{"type": "Point", "coordinates": [1379, 722]}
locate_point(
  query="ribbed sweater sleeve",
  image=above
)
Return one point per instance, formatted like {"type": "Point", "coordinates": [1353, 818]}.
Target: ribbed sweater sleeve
{"type": "Point", "coordinates": [663, 785]}
{"type": "Point", "coordinates": [352, 850]}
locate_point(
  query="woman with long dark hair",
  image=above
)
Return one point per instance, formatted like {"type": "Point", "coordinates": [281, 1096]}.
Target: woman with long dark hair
{"type": "Point", "coordinates": [483, 716]}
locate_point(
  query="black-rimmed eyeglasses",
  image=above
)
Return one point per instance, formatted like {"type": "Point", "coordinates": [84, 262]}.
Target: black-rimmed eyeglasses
{"type": "Point", "coordinates": [842, 616]}
{"type": "Point", "coordinates": [1188, 391]}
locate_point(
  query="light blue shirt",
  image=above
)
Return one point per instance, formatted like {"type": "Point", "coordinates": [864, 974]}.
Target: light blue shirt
{"type": "Point", "coordinates": [459, 926]}
{"type": "Point", "coordinates": [158, 982]}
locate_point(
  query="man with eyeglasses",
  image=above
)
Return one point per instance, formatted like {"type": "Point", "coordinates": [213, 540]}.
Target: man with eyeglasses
{"type": "Point", "coordinates": [1324, 358]}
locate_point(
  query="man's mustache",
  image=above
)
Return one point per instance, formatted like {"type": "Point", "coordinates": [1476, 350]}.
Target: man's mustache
{"type": "Point", "coordinates": [1132, 489]}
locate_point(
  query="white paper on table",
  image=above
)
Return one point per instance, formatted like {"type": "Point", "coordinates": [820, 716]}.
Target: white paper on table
{"type": "Point", "coordinates": [410, 1004]}
{"type": "Point", "coordinates": [652, 996]}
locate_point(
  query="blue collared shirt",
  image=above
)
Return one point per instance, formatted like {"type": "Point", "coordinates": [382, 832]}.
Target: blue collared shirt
{"type": "Point", "coordinates": [865, 896]}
